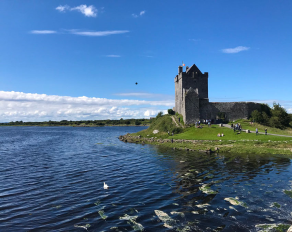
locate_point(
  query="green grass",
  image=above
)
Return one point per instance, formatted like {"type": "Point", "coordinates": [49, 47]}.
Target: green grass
{"type": "Point", "coordinates": [210, 133]}
{"type": "Point", "coordinates": [246, 125]}
{"type": "Point", "coordinates": [181, 119]}
{"type": "Point", "coordinates": [231, 141]}
{"type": "Point", "coordinates": [163, 125]}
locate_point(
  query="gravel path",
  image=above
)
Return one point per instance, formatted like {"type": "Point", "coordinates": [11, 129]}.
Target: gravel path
{"type": "Point", "coordinates": [289, 136]}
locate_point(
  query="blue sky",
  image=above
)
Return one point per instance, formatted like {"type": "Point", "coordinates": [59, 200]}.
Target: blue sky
{"type": "Point", "coordinates": [80, 59]}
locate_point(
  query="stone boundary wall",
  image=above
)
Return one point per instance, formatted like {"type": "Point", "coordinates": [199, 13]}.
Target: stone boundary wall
{"type": "Point", "coordinates": [232, 110]}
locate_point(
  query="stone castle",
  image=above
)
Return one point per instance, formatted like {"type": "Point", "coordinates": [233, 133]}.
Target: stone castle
{"type": "Point", "coordinates": [191, 99]}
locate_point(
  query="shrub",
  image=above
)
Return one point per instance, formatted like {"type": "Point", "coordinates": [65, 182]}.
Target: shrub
{"type": "Point", "coordinates": [177, 130]}
{"type": "Point", "coordinates": [257, 116]}
{"type": "Point", "coordinates": [275, 122]}
{"type": "Point", "coordinates": [137, 122]}
{"type": "Point", "coordinates": [170, 111]}
{"type": "Point", "coordinates": [282, 115]}
{"type": "Point", "coordinates": [160, 114]}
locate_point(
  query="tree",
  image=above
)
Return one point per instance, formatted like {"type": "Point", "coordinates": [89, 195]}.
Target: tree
{"type": "Point", "coordinates": [159, 114]}
{"type": "Point", "coordinates": [281, 114]}
{"type": "Point", "coordinates": [266, 118]}
{"type": "Point", "coordinates": [257, 116]}
{"type": "Point", "coordinates": [170, 111]}
{"type": "Point", "coordinates": [137, 122]}
{"type": "Point", "coordinates": [127, 122]}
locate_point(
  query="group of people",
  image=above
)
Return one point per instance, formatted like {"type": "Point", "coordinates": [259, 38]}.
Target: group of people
{"type": "Point", "coordinates": [257, 131]}
{"type": "Point", "coordinates": [236, 127]}
{"type": "Point", "coordinates": [205, 121]}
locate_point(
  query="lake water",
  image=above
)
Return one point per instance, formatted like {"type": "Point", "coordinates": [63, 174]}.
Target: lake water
{"type": "Point", "coordinates": [51, 179]}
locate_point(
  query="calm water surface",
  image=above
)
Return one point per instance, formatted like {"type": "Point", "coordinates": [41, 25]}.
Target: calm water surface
{"type": "Point", "coordinates": [51, 179]}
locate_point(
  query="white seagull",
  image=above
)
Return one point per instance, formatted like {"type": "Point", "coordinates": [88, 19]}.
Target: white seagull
{"type": "Point", "coordinates": [105, 186]}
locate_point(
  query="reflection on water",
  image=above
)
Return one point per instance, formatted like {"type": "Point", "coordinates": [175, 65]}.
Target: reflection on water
{"type": "Point", "coordinates": [52, 179]}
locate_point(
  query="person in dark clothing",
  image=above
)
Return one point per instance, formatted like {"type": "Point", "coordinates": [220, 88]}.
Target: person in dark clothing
{"type": "Point", "coordinates": [266, 131]}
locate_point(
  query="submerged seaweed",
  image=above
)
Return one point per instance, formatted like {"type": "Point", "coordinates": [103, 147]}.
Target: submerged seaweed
{"type": "Point", "coordinates": [132, 221]}
{"type": "Point", "coordinates": [168, 221]}
{"type": "Point", "coordinates": [102, 214]}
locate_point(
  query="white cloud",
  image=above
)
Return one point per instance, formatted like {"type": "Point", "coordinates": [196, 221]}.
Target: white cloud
{"type": "Point", "coordinates": [194, 40]}
{"type": "Point", "coordinates": [151, 113]}
{"type": "Point", "coordinates": [89, 11]}
{"type": "Point", "coordinates": [43, 32]}
{"type": "Point", "coordinates": [235, 50]}
{"type": "Point", "coordinates": [115, 56]}
{"type": "Point", "coordinates": [147, 95]}
{"type": "Point", "coordinates": [97, 33]}
{"type": "Point", "coordinates": [15, 106]}
{"type": "Point", "coordinates": [62, 8]}
{"type": "Point", "coordinates": [140, 14]}
{"type": "Point", "coordinates": [84, 33]}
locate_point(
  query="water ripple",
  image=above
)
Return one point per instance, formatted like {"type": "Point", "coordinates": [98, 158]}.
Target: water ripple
{"type": "Point", "coordinates": [52, 179]}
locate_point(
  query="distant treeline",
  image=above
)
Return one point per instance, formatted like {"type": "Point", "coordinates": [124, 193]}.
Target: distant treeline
{"type": "Point", "coordinates": [108, 122]}
{"type": "Point", "coordinates": [276, 116]}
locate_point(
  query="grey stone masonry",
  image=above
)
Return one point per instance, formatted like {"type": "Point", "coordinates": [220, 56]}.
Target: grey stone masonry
{"type": "Point", "coordinates": [191, 99]}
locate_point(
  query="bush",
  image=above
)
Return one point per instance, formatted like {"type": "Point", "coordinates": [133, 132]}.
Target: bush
{"type": "Point", "coordinates": [127, 122]}
{"type": "Point", "coordinates": [282, 115]}
{"type": "Point", "coordinates": [177, 130]}
{"type": "Point", "coordinates": [257, 116]}
{"type": "Point", "coordinates": [170, 111]}
{"type": "Point", "coordinates": [275, 122]}
{"type": "Point", "coordinates": [266, 118]}
{"type": "Point", "coordinates": [137, 122]}
{"type": "Point", "coordinates": [160, 114]}
{"type": "Point", "coordinates": [276, 117]}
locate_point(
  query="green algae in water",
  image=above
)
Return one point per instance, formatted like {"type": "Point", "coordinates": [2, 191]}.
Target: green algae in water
{"type": "Point", "coordinates": [128, 217]}
{"type": "Point", "coordinates": [131, 220]}
{"type": "Point", "coordinates": [168, 221]}
{"type": "Point", "coordinates": [288, 192]}
{"type": "Point", "coordinates": [234, 201]}
{"type": "Point", "coordinates": [136, 226]}
{"type": "Point", "coordinates": [97, 203]}
{"type": "Point", "coordinates": [102, 215]}
{"type": "Point", "coordinates": [132, 210]}
{"type": "Point", "coordinates": [83, 227]}
{"type": "Point", "coordinates": [275, 204]}
{"type": "Point", "coordinates": [178, 213]}
{"type": "Point", "coordinates": [206, 189]}
{"type": "Point", "coordinates": [273, 227]}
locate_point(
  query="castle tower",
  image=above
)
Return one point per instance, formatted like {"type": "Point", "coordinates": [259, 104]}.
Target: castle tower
{"type": "Point", "coordinates": [191, 88]}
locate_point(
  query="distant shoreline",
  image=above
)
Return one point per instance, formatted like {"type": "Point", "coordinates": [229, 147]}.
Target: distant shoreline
{"type": "Point", "coordinates": [72, 125]}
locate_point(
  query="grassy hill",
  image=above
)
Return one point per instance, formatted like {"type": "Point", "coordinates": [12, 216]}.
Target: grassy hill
{"type": "Point", "coordinates": [247, 125]}
{"type": "Point", "coordinates": [231, 141]}
{"type": "Point", "coordinates": [165, 124]}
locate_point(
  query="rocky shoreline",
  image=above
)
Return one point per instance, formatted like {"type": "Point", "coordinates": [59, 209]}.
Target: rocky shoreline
{"type": "Point", "coordinates": [128, 138]}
